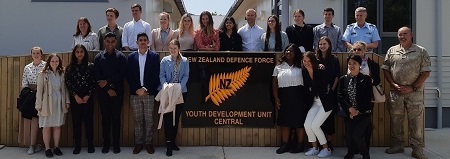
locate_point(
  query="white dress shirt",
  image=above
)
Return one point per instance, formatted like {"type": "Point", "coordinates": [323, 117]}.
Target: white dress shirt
{"type": "Point", "coordinates": [130, 31]}
{"type": "Point", "coordinates": [251, 37]}
{"type": "Point", "coordinates": [142, 59]}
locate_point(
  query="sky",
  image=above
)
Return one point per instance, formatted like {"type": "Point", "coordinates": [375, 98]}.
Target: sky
{"type": "Point", "coordinates": [198, 6]}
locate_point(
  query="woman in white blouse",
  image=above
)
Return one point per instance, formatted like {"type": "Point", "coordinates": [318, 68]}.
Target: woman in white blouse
{"type": "Point", "coordinates": [84, 35]}
{"type": "Point", "coordinates": [28, 128]}
{"type": "Point", "coordinates": [289, 95]}
{"type": "Point", "coordinates": [185, 33]}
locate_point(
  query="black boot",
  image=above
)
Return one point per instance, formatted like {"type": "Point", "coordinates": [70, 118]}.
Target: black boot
{"type": "Point", "coordinates": [169, 146]}
{"type": "Point", "coordinates": [284, 148]}
{"type": "Point", "coordinates": [91, 148]}
{"type": "Point", "coordinates": [175, 147]}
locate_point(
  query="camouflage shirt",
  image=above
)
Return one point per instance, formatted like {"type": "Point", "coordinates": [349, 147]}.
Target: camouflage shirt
{"type": "Point", "coordinates": [407, 65]}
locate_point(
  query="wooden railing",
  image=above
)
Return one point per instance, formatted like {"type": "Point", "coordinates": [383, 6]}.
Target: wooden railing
{"type": "Point", "coordinates": [11, 69]}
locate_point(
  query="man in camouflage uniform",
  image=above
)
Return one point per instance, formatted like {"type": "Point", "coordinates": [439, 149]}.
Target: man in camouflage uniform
{"type": "Point", "coordinates": [406, 67]}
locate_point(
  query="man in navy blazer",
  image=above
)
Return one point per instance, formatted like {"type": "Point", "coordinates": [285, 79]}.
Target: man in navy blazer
{"type": "Point", "coordinates": [143, 79]}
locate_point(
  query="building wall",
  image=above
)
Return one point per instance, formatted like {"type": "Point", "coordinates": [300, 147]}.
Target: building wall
{"type": "Point", "coordinates": [51, 24]}
{"type": "Point", "coordinates": [216, 19]}
{"type": "Point", "coordinates": [263, 6]}
{"type": "Point", "coordinates": [314, 11]}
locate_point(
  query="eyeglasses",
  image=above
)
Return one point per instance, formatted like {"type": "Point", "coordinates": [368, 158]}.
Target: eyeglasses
{"type": "Point", "coordinates": [357, 49]}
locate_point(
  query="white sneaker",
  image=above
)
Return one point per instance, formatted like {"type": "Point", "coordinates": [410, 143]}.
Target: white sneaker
{"type": "Point", "coordinates": [312, 152]}
{"type": "Point", "coordinates": [324, 153]}
{"type": "Point", "coordinates": [30, 150]}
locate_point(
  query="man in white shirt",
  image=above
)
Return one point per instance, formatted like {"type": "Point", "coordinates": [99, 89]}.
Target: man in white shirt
{"type": "Point", "coordinates": [134, 27]}
{"type": "Point", "coordinates": [251, 33]}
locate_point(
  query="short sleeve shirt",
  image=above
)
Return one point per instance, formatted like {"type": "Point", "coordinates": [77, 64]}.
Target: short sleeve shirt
{"type": "Point", "coordinates": [406, 65]}
{"type": "Point", "coordinates": [288, 76]}
{"type": "Point", "coordinates": [368, 33]}
{"type": "Point", "coordinates": [30, 73]}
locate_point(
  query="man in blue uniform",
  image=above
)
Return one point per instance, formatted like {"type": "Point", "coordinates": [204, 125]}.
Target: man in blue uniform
{"type": "Point", "coordinates": [361, 31]}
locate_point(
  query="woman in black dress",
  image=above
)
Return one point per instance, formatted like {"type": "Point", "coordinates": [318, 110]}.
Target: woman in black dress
{"type": "Point", "coordinates": [289, 97]}
{"type": "Point", "coordinates": [81, 83]}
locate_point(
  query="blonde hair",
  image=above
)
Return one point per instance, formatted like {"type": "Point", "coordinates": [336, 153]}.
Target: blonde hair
{"type": "Point", "coordinates": [362, 44]}
{"type": "Point", "coordinates": [181, 26]}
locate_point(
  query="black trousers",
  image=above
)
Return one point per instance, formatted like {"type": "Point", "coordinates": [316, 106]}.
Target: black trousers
{"type": "Point", "coordinates": [111, 109]}
{"type": "Point", "coordinates": [170, 130]}
{"type": "Point", "coordinates": [355, 133]}
{"type": "Point", "coordinates": [82, 113]}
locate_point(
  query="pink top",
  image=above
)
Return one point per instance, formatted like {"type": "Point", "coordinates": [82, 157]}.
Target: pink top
{"type": "Point", "coordinates": [205, 41]}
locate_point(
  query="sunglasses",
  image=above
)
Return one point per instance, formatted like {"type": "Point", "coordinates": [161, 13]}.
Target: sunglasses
{"type": "Point", "coordinates": [357, 49]}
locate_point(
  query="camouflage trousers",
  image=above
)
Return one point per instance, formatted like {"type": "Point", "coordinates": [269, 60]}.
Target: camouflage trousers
{"type": "Point", "coordinates": [413, 105]}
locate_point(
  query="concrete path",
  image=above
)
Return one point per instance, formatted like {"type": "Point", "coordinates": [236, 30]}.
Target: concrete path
{"type": "Point", "coordinates": [437, 142]}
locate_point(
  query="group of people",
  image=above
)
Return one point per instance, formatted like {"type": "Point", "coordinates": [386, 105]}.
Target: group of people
{"type": "Point", "coordinates": [307, 85]}
{"type": "Point", "coordinates": [58, 88]}
{"type": "Point", "coordinates": [308, 89]}
{"type": "Point", "coordinates": [249, 37]}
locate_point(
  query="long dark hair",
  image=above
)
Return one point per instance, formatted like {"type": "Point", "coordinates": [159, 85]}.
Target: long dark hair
{"type": "Point", "coordinates": [224, 27]}
{"type": "Point", "coordinates": [312, 57]}
{"type": "Point", "coordinates": [47, 67]}
{"type": "Point", "coordinates": [297, 55]}
{"type": "Point", "coordinates": [328, 52]}
{"type": "Point", "coordinates": [86, 20]}
{"type": "Point", "coordinates": [74, 60]}
{"type": "Point", "coordinates": [277, 34]}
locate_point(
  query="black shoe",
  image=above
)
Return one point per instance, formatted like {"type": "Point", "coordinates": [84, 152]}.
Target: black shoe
{"type": "Point", "coordinates": [49, 153]}
{"type": "Point", "coordinates": [284, 148]}
{"type": "Point", "coordinates": [91, 149]}
{"type": "Point", "coordinates": [76, 150]}
{"type": "Point", "coordinates": [169, 150]}
{"type": "Point", "coordinates": [296, 149]}
{"type": "Point", "coordinates": [116, 150]}
{"type": "Point", "coordinates": [175, 147]}
{"type": "Point", "coordinates": [57, 152]}
{"type": "Point", "coordinates": [105, 149]}
{"type": "Point", "coordinates": [366, 157]}
{"type": "Point", "coordinates": [349, 156]}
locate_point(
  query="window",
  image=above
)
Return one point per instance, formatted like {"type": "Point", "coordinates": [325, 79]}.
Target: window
{"type": "Point", "coordinates": [387, 15]}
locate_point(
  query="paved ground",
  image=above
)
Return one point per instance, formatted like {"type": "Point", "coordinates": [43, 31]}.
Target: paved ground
{"type": "Point", "coordinates": [436, 141]}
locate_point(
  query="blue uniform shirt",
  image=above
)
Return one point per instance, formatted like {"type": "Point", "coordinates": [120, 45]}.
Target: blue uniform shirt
{"type": "Point", "coordinates": [368, 33]}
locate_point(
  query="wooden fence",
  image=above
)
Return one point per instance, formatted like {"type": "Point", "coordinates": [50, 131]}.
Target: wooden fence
{"type": "Point", "coordinates": [11, 69]}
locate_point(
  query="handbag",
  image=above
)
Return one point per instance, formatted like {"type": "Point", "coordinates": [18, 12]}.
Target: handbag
{"type": "Point", "coordinates": [378, 94]}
